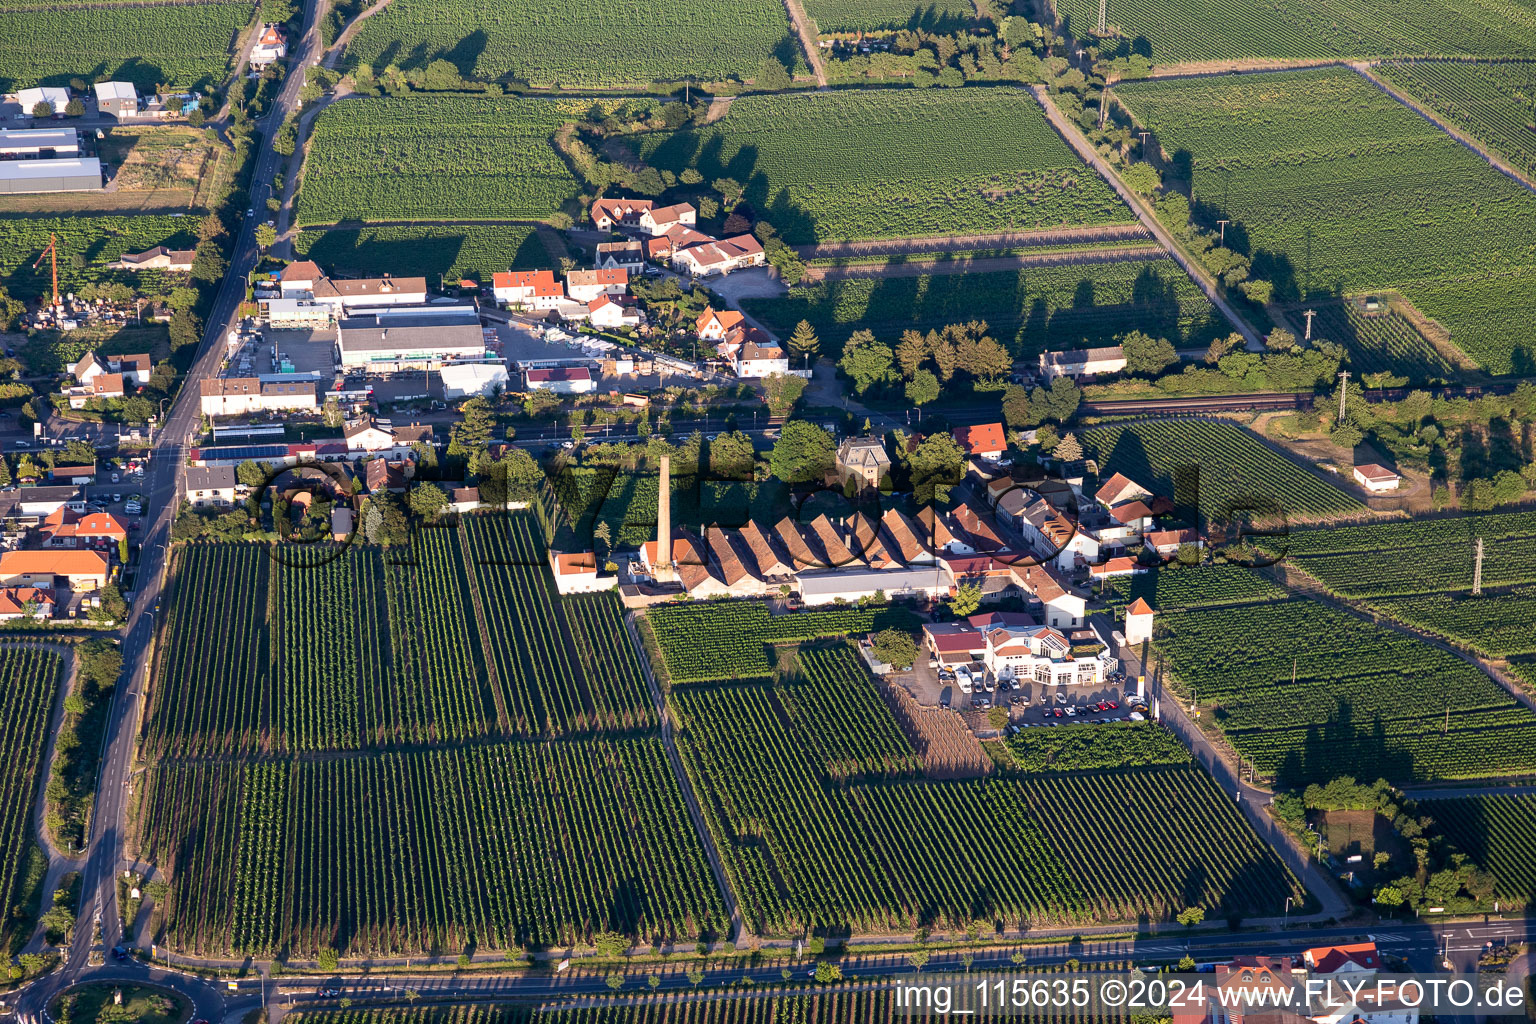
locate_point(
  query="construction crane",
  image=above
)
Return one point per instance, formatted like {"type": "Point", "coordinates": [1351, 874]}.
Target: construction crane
{"type": "Point", "coordinates": [52, 250]}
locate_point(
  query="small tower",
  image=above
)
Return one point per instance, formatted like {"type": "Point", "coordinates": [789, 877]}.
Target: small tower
{"type": "Point", "coordinates": [663, 568]}
{"type": "Point", "coordinates": [1138, 622]}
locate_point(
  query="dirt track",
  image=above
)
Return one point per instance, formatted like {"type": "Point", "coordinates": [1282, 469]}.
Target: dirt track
{"type": "Point", "coordinates": [961, 243]}
{"type": "Point", "coordinates": [918, 268]}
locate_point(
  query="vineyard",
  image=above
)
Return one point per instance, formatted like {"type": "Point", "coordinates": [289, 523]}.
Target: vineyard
{"type": "Point", "coordinates": [1499, 834]}
{"type": "Point", "coordinates": [1029, 310]}
{"type": "Point", "coordinates": [1498, 625]}
{"type": "Point", "coordinates": [97, 241]}
{"type": "Point", "coordinates": [1217, 465]}
{"type": "Point", "coordinates": [864, 15]}
{"type": "Point", "coordinates": [940, 736]}
{"type": "Point", "coordinates": [499, 845]}
{"type": "Point", "coordinates": [583, 44]}
{"type": "Point", "coordinates": [1202, 30]}
{"type": "Point", "coordinates": [464, 250]}
{"type": "Point", "coordinates": [891, 164]}
{"type": "Point", "coordinates": [1388, 342]}
{"type": "Point", "coordinates": [29, 679]}
{"type": "Point", "coordinates": [442, 157]}
{"type": "Point", "coordinates": [467, 640]}
{"type": "Point", "coordinates": [1353, 191]}
{"type": "Point", "coordinates": [1366, 701]}
{"type": "Point", "coordinates": [729, 639]}
{"type": "Point", "coordinates": [1433, 556]}
{"type": "Point", "coordinates": [182, 46]}
{"type": "Point", "coordinates": [817, 833]}
{"type": "Point", "coordinates": [1077, 747]}
{"type": "Point", "coordinates": [1492, 102]}
{"type": "Point", "coordinates": [1177, 586]}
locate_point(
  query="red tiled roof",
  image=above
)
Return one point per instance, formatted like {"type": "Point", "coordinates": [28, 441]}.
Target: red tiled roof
{"type": "Point", "coordinates": [559, 373]}
{"type": "Point", "coordinates": [986, 437]}
{"type": "Point", "coordinates": [302, 270]}
{"type": "Point", "coordinates": [1327, 959]}
{"type": "Point", "coordinates": [1139, 606]}
{"type": "Point", "coordinates": [60, 563]}
{"type": "Point", "coordinates": [1371, 471]}
{"type": "Point", "coordinates": [1130, 512]}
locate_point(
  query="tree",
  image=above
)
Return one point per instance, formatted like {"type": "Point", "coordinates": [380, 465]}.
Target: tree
{"type": "Point", "coordinates": [1389, 896]}
{"type": "Point", "coordinates": [1346, 435]}
{"type": "Point", "coordinates": [266, 235]}
{"type": "Point", "coordinates": [827, 973]}
{"type": "Point", "coordinates": [614, 981]}
{"type": "Point", "coordinates": [1280, 340]}
{"type": "Point", "coordinates": [918, 958]}
{"type": "Point", "coordinates": [42, 109]}
{"type": "Point", "coordinates": [966, 600]}
{"type": "Point", "coordinates": [937, 464]}
{"type": "Point", "coordinates": [804, 342]}
{"type": "Point", "coordinates": [1141, 178]}
{"type": "Point", "coordinates": [866, 361]}
{"type": "Point", "coordinates": [910, 353]}
{"type": "Point", "coordinates": [186, 330]}
{"type": "Point", "coordinates": [1068, 449]}
{"type": "Point", "coordinates": [1146, 355]}
{"type": "Point", "coordinates": [11, 310]}
{"type": "Point", "coordinates": [730, 190]}
{"type": "Point", "coordinates": [922, 388]}
{"type": "Point", "coordinates": [781, 391]}
{"type": "Point", "coordinates": [251, 473]}
{"type": "Point", "coordinates": [1191, 916]}
{"type": "Point", "coordinates": [1187, 963]}
{"type": "Point", "coordinates": [74, 108]}
{"type": "Point", "coordinates": [472, 432]}
{"type": "Point", "coordinates": [5, 472]}
{"type": "Point", "coordinates": [803, 453]}
{"type": "Point", "coordinates": [384, 523]}
{"type": "Point", "coordinates": [427, 500]}
{"type": "Point", "coordinates": [695, 976]}
{"type": "Point", "coordinates": [773, 77]}
{"type": "Point", "coordinates": [896, 648]}
{"type": "Point", "coordinates": [327, 959]}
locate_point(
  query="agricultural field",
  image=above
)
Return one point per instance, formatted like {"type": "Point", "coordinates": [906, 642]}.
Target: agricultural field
{"type": "Point", "coordinates": [1205, 30]}
{"type": "Point", "coordinates": [1335, 187]}
{"type": "Point", "coordinates": [729, 639]}
{"type": "Point", "coordinates": [498, 846]}
{"type": "Point", "coordinates": [29, 680]}
{"type": "Point", "coordinates": [593, 43]}
{"type": "Point", "coordinates": [474, 251]}
{"type": "Point", "coordinates": [867, 15]}
{"type": "Point", "coordinates": [423, 649]}
{"type": "Point", "coordinates": [96, 240]}
{"type": "Point", "coordinates": [879, 852]}
{"type": "Point", "coordinates": [153, 169]}
{"type": "Point", "coordinates": [889, 164]}
{"type": "Point", "coordinates": [1496, 624]}
{"type": "Point", "coordinates": [1499, 834]}
{"type": "Point", "coordinates": [1215, 466]}
{"type": "Point", "coordinates": [436, 158]}
{"type": "Point", "coordinates": [1028, 310]}
{"type": "Point", "coordinates": [1078, 747]}
{"type": "Point", "coordinates": [183, 46]}
{"type": "Point", "coordinates": [1495, 103]}
{"type": "Point", "coordinates": [1180, 586]}
{"type": "Point", "coordinates": [1386, 342]}
{"type": "Point", "coordinates": [1366, 700]}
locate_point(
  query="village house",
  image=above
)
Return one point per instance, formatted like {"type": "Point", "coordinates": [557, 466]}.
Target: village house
{"type": "Point", "coordinates": [366, 435]}
{"type": "Point", "coordinates": [1119, 489]}
{"type": "Point", "coordinates": [610, 214]}
{"type": "Point", "coordinates": [659, 220]}
{"type": "Point", "coordinates": [82, 570]}
{"type": "Point", "coordinates": [234, 396]}
{"type": "Point", "coordinates": [1047, 655]}
{"type": "Point", "coordinates": [707, 259]}
{"type": "Point", "coordinates": [25, 603]}
{"type": "Point", "coordinates": [662, 247]}
{"type": "Point", "coordinates": [752, 353]}
{"type": "Point", "coordinates": [133, 369]}
{"type": "Point", "coordinates": [176, 261]}
{"type": "Point", "coordinates": [986, 441]}
{"type": "Point", "coordinates": [385, 475]}
{"type": "Point", "coordinates": [628, 254]}
{"type": "Point", "coordinates": [531, 289]}
{"type": "Point", "coordinates": [1119, 566]}
{"type": "Point", "coordinates": [576, 572]}
{"type": "Point", "coordinates": [586, 285]}
{"type": "Point", "coordinates": [1168, 542]}
{"type": "Point", "coordinates": [103, 385]}
{"type": "Point", "coordinates": [210, 486]}
{"type": "Point", "coordinates": [269, 47]}
{"type": "Point", "coordinates": [714, 325]}
{"type": "Point", "coordinates": [65, 529]}
{"type": "Point", "coordinates": [303, 280]}
{"type": "Point", "coordinates": [605, 311]}
{"type": "Point", "coordinates": [1087, 362]}
{"type": "Point", "coordinates": [1376, 479]}
{"type": "Point", "coordinates": [864, 459]}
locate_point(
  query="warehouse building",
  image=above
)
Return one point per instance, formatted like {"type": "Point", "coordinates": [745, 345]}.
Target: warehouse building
{"type": "Point", "coordinates": [38, 143]}
{"type": "Point", "coordinates": [120, 99]}
{"type": "Point", "coordinates": [70, 174]}
{"type": "Point", "coordinates": [55, 96]}
{"type": "Point", "coordinates": [409, 338]}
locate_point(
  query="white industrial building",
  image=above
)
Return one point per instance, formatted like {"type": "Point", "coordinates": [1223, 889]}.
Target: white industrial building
{"type": "Point", "coordinates": [38, 143]}
{"type": "Point", "coordinates": [67, 174]}
{"type": "Point", "coordinates": [409, 338]}
{"type": "Point", "coordinates": [565, 380]}
{"type": "Point", "coordinates": [55, 96]}
{"type": "Point", "coordinates": [471, 379]}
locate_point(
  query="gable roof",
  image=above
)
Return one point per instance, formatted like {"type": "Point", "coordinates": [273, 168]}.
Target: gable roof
{"type": "Point", "coordinates": [732, 570]}
{"type": "Point", "coordinates": [14, 599]}
{"type": "Point", "coordinates": [726, 318]}
{"type": "Point", "coordinates": [794, 542]}
{"type": "Point", "coordinates": [620, 209]}
{"type": "Point", "coordinates": [301, 270]}
{"type": "Point", "coordinates": [1130, 512]}
{"type": "Point", "coordinates": [1372, 471]}
{"type": "Point", "coordinates": [984, 437]}
{"type": "Point", "coordinates": [1328, 959]}
{"type": "Point", "coordinates": [603, 277]}
{"type": "Point", "coordinates": [59, 561]}
{"type": "Point", "coordinates": [1118, 487]}
{"type": "Point", "coordinates": [765, 554]}
{"type": "Point", "coordinates": [837, 553]}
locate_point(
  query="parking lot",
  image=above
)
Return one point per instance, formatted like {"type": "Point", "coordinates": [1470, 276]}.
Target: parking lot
{"type": "Point", "coordinates": [1024, 699]}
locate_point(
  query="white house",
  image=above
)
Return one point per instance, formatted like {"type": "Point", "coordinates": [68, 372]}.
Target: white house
{"type": "Point", "coordinates": [754, 358]}
{"type": "Point", "coordinates": [210, 486]}
{"type": "Point", "coordinates": [534, 289]}
{"type": "Point", "coordinates": [660, 219]}
{"type": "Point", "coordinates": [53, 95]}
{"type": "Point", "coordinates": [628, 255]}
{"type": "Point", "coordinates": [714, 325]}
{"type": "Point", "coordinates": [304, 280]}
{"type": "Point", "coordinates": [1376, 479]}
{"type": "Point", "coordinates": [603, 311]}
{"type": "Point", "coordinates": [365, 435]}
{"type": "Point", "coordinates": [565, 380]}
{"type": "Point", "coordinates": [1048, 655]}
{"type": "Point", "coordinates": [612, 214]}
{"type": "Point", "coordinates": [1120, 566]}
{"type": "Point", "coordinates": [269, 47]}
{"type": "Point", "coordinates": [985, 440]}
{"type": "Point", "coordinates": [1085, 362]}
{"type": "Point", "coordinates": [1138, 622]}
{"type": "Point", "coordinates": [576, 573]}
{"type": "Point", "coordinates": [1168, 542]}
{"type": "Point", "coordinates": [1119, 489]}
{"type": "Point", "coordinates": [233, 396]}
{"type": "Point", "coordinates": [25, 602]}
{"type": "Point", "coordinates": [586, 285]}
{"type": "Point", "coordinates": [719, 257]}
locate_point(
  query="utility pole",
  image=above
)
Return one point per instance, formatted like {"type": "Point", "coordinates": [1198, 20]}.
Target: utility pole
{"type": "Point", "coordinates": [1103, 13]}
{"type": "Point", "coordinates": [1477, 570]}
{"type": "Point", "coordinates": [1144, 136]}
{"type": "Point", "coordinates": [1080, 52]}
{"type": "Point", "coordinates": [1224, 222]}
{"type": "Point", "coordinates": [1309, 314]}
{"type": "Point", "coordinates": [1343, 392]}
{"type": "Point", "coordinates": [53, 251]}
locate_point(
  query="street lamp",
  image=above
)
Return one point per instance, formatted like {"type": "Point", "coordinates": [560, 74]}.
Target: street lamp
{"type": "Point", "coordinates": [1286, 924]}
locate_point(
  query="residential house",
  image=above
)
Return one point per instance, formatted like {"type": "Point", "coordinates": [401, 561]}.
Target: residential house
{"type": "Point", "coordinates": [576, 572]}
{"type": "Point", "coordinates": [714, 325]}
{"type": "Point", "coordinates": [532, 289]}
{"type": "Point", "coordinates": [863, 458]}
{"type": "Point", "coordinates": [234, 396]}
{"type": "Point", "coordinates": [1049, 655]}
{"type": "Point", "coordinates": [81, 569]}
{"type": "Point", "coordinates": [906, 539]}
{"type": "Point", "coordinates": [614, 214]}
{"type": "Point", "coordinates": [365, 435]}
{"type": "Point", "coordinates": [464, 499]}
{"type": "Point", "coordinates": [303, 280]}
{"type": "Point", "coordinates": [210, 486]}
{"type": "Point", "coordinates": [175, 261]}
{"type": "Point", "coordinates": [1119, 489]}
{"type": "Point", "coordinates": [33, 503]}
{"type": "Point", "coordinates": [565, 380]}
{"type": "Point", "coordinates": [707, 259]}
{"type": "Point", "coordinates": [25, 602]}
{"type": "Point", "coordinates": [1120, 566]}
{"type": "Point", "coordinates": [1360, 959]}
{"type": "Point", "coordinates": [1052, 535]}
{"type": "Point", "coordinates": [1376, 479]}
{"type": "Point", "coordinates": [1086, 362]}
{"type": "Point", "coordinates": [605, 311]}
{"type": "Point", "coordinates": [753, 354]}
{"type": "Point", "coordinates": [384, 475]}
{"type": "Point", "coordinates": [658, 220]}
{"type": "Point", "coordinates": [586, 285]}
{"type": "Point", "coordinates": [985, 441]}
{"type": "Point", "coordinates": [65, 529]}
{"type": "Point", "coordinates": [135, 369]}
{"type": "Point", "coordinates": [662, 247]}
{"type": "Point", "coordinates": [102, 385]}
{"type": "Point", "coordinates": [951, 644]}
{"type": "Point", "coordinates": [270, 47]}
{"type": "Point", "coordinates": [628, 254]}
{"type": "Point", "coordinates": [1168, 542]}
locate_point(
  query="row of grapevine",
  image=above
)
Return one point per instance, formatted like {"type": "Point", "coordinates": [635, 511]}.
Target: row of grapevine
{"type": "Point", "coordinates": [940, 736]}
{"type": "Point", "coordinates": [1183, 586]}
{"type": "Point", "coordinates": [497, 845]}
{"type": "Point", "coordinates": [1499, 834]}
{"type": "Point", "coordinates": [1099, 746]}
{"type": "Point", "coordinates": [29, 679]}
{"type": "Point", "coordinates": [1498, 624]}
{"type": "Point", "coordinates": [834, 704]}
{"type": "Point", "coordinates": [1307, 693]}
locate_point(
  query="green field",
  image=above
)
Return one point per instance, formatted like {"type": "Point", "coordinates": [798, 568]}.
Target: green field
{"type": "Point", "coordinates": [424, 157]}
{"type": "Point", "coordinates": [1179, 586]}
{"type": "Point", "coordinates": [1335, 187]}
{"type": "Point", "coordinates": [184, 46]}
{"type": "Point", "coordinates": [1219, 467]}
{"type": "Point", "coordinates": [1366, 700]}
{"type": "Point", "coordinates": [96, 240]}
{"type": "Point", "coordinates": [1376, 342]}
{"type": "Point", "coordinates": [813, 799]}
{"type": "Point", "coordinates": [1199, 30]}
{"type": "Point", "coordinates": [450, 253]}
{"type": "Point", "coordinates": [1499, 834]}
{"type": "Point", "coordinates": [1028, 310]}
{"type": "Point", "coordinates": [1494, 103]}
{"type": "Point", "coordinates": [894, 163]}
{"type": "Point", "coordinates": [586, 43]}
{"type": "Point", "coordinates": [866, 15]}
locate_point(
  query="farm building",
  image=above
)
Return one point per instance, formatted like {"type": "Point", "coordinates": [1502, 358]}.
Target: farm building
{"type": "Point", "coordinates": [1376, 479]}
{"type": "Point", "coordinates": [120, 99]}
{"type": "Point", "coordinates": [84, 570]}
{"type": "Point", "coordinates": [62, 174]}
{"type": "Point", "coordinates": [177, 261]}
{"type": "Point", "coordinates": [210, 485]}
{"type": "Point", "coordinates": [38, 143]}
{"type": "Point", "coordinates": [410, 338]}
{"type": "Point", "coordinates": [1082, 362]}
{"type": "Point", "coordinates": [565, 380]}
{"type": "Point", "coordinates": [57, 98]}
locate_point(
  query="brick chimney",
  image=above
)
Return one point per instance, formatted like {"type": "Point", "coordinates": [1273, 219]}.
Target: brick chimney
{"type": "Point", "coordinates": [664, 521]}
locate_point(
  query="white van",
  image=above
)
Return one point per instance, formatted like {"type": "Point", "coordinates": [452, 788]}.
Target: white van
{"type": "Point", "coordinates": [963, 678]}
